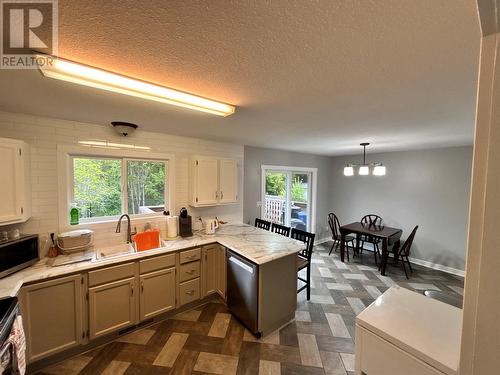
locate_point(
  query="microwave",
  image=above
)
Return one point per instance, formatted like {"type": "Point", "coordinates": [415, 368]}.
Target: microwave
{"type": "Point", "coordinates": [18, 254]}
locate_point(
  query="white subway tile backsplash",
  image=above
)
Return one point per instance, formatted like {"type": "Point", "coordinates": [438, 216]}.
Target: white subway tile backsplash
{"type": "Point", "coordinates": [45, 134]}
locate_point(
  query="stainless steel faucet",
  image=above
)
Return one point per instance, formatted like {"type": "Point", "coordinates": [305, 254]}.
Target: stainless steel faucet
{"type": "Point", "coordinates": [129, 230]}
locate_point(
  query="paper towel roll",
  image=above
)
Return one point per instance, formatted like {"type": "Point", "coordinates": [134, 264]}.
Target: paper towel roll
{"type": "Point", "coordinates": [172, 226]}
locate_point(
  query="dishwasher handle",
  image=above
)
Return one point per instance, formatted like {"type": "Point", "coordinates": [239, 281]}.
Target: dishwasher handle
{"type": "Point", "coordinates": [240, 264]}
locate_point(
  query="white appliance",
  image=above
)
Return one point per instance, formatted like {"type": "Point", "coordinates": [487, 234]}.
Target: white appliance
{"type": "Point", "coordinates": [211, 225]}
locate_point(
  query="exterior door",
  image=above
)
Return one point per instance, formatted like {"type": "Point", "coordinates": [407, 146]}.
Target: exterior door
{"type": "Point", "coordinates": [287, 197]}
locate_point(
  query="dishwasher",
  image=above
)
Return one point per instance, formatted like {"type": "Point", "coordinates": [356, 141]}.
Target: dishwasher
{"type": "Point", "coordinates": [242, 290]}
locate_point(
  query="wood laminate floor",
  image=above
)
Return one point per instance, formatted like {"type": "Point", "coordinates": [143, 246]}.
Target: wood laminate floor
{"type": "Point", "coordinates": [208, 340]}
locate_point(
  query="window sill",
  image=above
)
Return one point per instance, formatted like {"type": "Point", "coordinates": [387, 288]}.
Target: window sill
{"type": "Point", "coordinates": [114, 220]}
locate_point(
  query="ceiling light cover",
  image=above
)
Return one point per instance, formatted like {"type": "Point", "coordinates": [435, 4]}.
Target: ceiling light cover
{"type": "Point", "coordinates": [94, 77]}
{"type": "Point", "coordinates": [348, 171]}
{"type": "Point", "coordinates": [379, 170]}
{"type": "Point", "coordinates": [364, 170]}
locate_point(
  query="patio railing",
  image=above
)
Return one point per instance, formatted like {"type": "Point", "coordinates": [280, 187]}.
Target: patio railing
{"type": "Point", "coordinates": [274, 208]}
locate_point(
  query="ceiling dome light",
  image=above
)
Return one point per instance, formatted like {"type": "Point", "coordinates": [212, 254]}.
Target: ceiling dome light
{"type": "Point", "coordinates": [379, 170]}
{"type": "Point", "coordinates": [124, 128]}
{"type": "Point", "coordinates": [364, 170]}
{"type": "Point", "coordinates": [348, 171]}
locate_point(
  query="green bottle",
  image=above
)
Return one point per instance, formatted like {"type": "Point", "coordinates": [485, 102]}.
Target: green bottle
{"type": "Point", "coordinates": [74, 216]}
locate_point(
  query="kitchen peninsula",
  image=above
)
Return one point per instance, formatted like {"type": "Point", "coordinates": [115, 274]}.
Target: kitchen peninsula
{"type": "Point", "coordinates": [91, 302]}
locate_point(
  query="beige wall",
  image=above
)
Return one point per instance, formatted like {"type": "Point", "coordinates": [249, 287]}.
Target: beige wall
{"type": "Point", "coordinates": [44, 135]}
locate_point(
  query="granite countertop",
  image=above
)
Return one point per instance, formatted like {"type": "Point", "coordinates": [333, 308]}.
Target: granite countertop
{"type": "Point", "coordinates": [257, 245]}
{"type": "Point", "coordinates": [429, 330]}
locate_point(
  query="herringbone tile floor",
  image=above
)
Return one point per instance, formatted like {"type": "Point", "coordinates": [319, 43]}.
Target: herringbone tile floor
{"type": "Point", "coordinates": [209, 340]}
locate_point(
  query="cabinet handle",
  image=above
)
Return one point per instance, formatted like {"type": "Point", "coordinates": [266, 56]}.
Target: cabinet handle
{"type": "Point", "coordinates": [216, 195]}
{"type": "Point", "coordinates": [221, 195]}
{"type": "Point", "coordinates": [83, 334]}
{"type": "Point", "coordinates": [132, 291]}
{"type": "Point", "coordinates": [190, 293]}
{"type": "Point", "coordinates": [142, 286]}
{"type": "Point", "coordinates": [190, 272]}
{"type": "Point", "coordinates": [190, 256]}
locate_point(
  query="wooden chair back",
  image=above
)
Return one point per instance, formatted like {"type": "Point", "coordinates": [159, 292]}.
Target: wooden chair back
{"type": "Point", "coordinates": [280, 229]}
{"type": "Point", "coordinates": [405, 249]}
{"type": "Point", "coordinates": [334, 223]}
{"type": "Point", "coordinates": [371, 220]}
{"type": "Point", "coordinates": [307, 238]}
{"type": "Point", "coordinates": [262, 224]}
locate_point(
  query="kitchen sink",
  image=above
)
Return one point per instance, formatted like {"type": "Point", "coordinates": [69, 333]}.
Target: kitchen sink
{"type": "Point", "coordinates": [114, 251]}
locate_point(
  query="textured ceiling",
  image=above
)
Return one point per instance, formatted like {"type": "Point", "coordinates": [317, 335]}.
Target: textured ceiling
{"type": "Point", "coordinates": [313, 76]}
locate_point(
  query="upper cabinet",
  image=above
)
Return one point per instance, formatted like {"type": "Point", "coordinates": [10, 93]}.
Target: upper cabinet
{"type": "Point", "coordinates": [212, 181]}
{"type": "Point", "coordinates": [15, 205]}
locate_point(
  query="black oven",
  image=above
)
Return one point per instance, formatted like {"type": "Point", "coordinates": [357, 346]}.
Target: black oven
{"type": "Point", "coordinates": [18, 254]}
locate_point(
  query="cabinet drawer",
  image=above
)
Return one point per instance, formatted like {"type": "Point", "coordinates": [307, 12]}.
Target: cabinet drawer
{"type": "Point", "coordinates": [190, 255]}
{"type": "Point", "coordinates": [109, 274]}
{"type": "Point", "coordinates": [157, 263]}
{"type": "Point", "coordinates": [189, 291]}
{"type": "Point", "coordinates": [189, 271]}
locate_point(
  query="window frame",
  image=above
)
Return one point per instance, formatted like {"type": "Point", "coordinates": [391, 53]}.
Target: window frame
{"type": "Point", "coordinates": [66, 154]}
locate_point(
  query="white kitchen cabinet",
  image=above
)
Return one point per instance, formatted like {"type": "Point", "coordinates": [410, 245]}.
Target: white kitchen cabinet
{"type": "Point", "coordinates": [212, 181]}
{"type": "Point", "coordinates": [228, 180]}
{"type": "Point", "coordinates": [15, 205]}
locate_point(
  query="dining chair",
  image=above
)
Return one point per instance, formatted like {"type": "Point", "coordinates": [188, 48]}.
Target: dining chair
{"type": "Point", "coordinates": [334, 223]}
{"type": "Point", "coordinates": [304, 258]}
{"type": "Point", "coordinates": [404, 252]}
{"type": "Point", "coordinates": [280, 229]}
{"type": "Point", "coordinates": [371, 220]}
{"type": "Point", "coordinates": [262, 224]}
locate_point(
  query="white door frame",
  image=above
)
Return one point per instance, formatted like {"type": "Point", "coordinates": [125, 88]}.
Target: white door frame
{"type": "Point", "coordinates": [281, 168]}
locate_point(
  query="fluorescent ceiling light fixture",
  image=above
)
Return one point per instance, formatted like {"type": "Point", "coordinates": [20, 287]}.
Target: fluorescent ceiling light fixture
{"type": "Point", "coordinates": [54, 67]}
{"type": "Point", "coordinates": [112, 145]}
{"type": "Point", "coordinates": [348, 171]}
{"type": "Point", "coordinates": [364, 170]}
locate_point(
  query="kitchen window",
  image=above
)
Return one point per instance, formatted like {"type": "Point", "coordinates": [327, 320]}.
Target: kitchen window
{"type": "Point", "coordinates": [106, 187]}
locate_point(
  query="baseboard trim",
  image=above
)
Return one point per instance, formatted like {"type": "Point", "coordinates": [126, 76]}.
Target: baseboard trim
{"type": "Point", "coordinates": [439, 267]}
{"type": "Point", "coordinates": [321, 241]}
{"type": "Point", "coordinates": [420, 262]}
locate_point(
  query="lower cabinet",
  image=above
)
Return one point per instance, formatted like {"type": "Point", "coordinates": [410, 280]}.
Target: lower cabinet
{"type": "Point", "coordinates": [209, 262]}
{"type": "Point", "coordinates": [52, 316]}
{"type": "Point", "coordinates": [157, 293]}
{"type": "Point", "coordinates": [111, 307]}
{"type": "Point", "coordinates": [221, 271]}
{"type": "Point", "coordinates": [214, 270]}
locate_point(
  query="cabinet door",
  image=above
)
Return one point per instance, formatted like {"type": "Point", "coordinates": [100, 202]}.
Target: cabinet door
{"type": "Point", "coordinates": [221, 271]}
{"type": "Point", "coordinates": [111, 307]}
{"type": "Point", "coordinates": [52, 316]}
{"type": "Point", "coordinates": [228, 179]}
{"type": "Point", "coordinates": [207, 181]}
{"type": "Point", "coordinates": [209, 265]}
{"type": "Point", "coordinates": [157, 293]}
{"type": "Point", "coordinates": [11, 188]}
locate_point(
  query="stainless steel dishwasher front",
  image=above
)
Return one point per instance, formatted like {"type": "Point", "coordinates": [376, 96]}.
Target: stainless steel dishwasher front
{"type": "Point", "coordinates": [243, 290]}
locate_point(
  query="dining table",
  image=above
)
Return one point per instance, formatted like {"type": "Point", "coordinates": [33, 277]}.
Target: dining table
{"type": "Point", "coordinates": [388, 236]}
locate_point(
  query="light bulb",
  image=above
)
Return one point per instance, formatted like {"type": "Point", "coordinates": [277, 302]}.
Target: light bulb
{"type": "Point", "coordinates": [348, 171]}
{"type": "Point", "coordinates": [379, 170]}
{"type": "Point", "coordinates": [364, 170]}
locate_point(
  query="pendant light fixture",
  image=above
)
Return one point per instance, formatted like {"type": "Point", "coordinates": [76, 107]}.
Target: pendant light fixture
{"type": "Point", "coordinates": [377, 169]}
